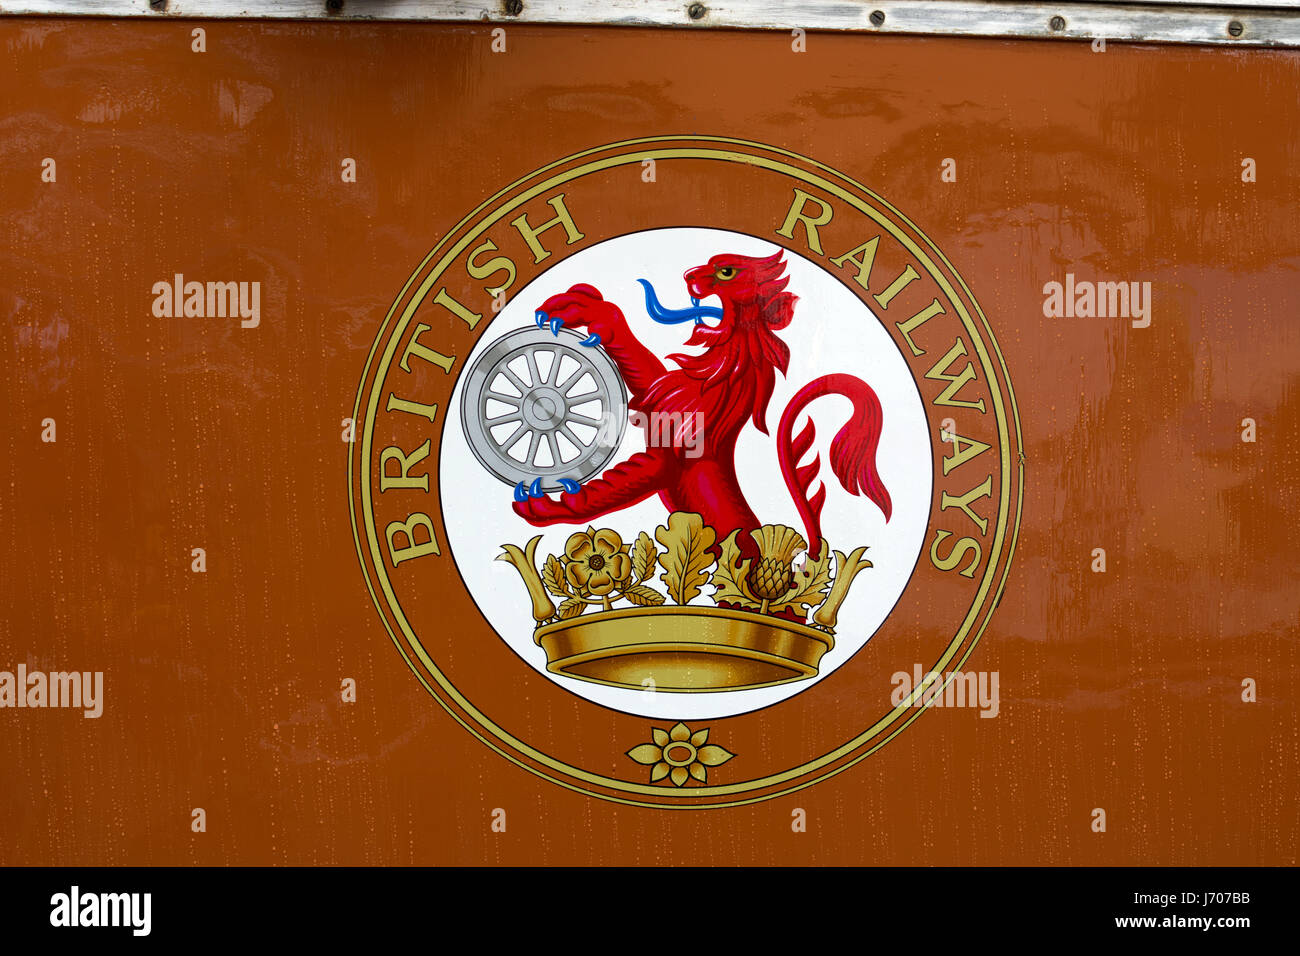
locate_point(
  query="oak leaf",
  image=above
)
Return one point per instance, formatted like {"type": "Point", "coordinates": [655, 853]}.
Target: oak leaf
{"type": "Point", "coordinates": [687, 559]}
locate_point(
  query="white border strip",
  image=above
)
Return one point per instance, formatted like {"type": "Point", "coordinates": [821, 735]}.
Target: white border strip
{"type": "Point", "coordinates": [1274, 23]}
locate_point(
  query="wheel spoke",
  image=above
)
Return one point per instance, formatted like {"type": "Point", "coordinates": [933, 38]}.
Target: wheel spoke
{"type": "Point", "coordinates": [554, 369]}
{"type": "Point", "coordinates": [515, 380]}
{"type": "Point", "coordinates": [504, 399]}
{"type": "Point", "coordinates": [574, 378]}
{"type": "Point", "coordinates": [578, 443]}
{"type": "Point", "coordinates": [533, 371]}
{"type": "Point", "coordinates": [532, 448]}
{"type": "Point", "coordinates": [555, 449]}
{"type": "Point", "coordinates": [510, 441]}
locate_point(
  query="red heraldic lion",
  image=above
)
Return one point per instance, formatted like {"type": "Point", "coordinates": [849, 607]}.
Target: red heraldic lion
{"type": "Point", "coordinates": [717, 391]}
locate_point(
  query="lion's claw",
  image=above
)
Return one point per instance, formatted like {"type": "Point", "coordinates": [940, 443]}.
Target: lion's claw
{"type": "Point", "coordinates": [591, 340]}
{"type": "Point", "coordinates": [571, 486]}
{"type": "Point", "coordinates": [582, 307]}
{"type": "Point", "coordinates": [524, 493]}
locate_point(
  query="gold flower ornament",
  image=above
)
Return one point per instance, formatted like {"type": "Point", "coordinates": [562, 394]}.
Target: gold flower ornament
{"type": "Point", "coordinates": [679, 755]}
{"type": "Point", "coordinates": [596, 562]}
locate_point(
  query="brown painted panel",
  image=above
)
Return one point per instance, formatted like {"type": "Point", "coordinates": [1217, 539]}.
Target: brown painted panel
{"type": "Point", "coordinates": [1120, 690]}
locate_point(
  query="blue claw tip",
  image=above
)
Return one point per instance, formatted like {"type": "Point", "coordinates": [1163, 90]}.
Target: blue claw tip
{"type": "Point", "coordinates": [535, 489]}
{"type": "Point", "coordinates": [540, 318]}
{"type": "Point", "coordinates": [591, 340]}
{"type": "Point", "coordinates": [521, 493]}
{"type": "Point", "coordinates": [556, 324]}
{"type": "Point", "coordinates": [569, 485]}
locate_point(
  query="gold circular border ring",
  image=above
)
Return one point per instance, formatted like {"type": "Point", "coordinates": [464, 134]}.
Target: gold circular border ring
{"type": "Point", "coordinates": [775, 160]}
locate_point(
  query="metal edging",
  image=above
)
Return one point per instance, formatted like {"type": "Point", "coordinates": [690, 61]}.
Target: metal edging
{"type": "Point", "coordinates": [1246, 23]}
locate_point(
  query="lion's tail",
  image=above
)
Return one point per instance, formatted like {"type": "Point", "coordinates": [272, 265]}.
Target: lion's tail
{"type": "Point", "coordinates": [852, 454]}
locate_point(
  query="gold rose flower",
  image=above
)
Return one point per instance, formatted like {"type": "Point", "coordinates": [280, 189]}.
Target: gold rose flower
{"type": "Point", "coordinates": [679, 755]}
{"type": "Point", "coordinates": [596, 563]}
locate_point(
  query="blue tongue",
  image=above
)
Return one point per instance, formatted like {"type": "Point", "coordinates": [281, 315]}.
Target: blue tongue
{"type": "Point", "coordinates": [657, 311]}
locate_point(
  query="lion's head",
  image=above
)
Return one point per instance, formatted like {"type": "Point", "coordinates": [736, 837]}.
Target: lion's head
{"type": "Point", "coordinates": [753, 288]}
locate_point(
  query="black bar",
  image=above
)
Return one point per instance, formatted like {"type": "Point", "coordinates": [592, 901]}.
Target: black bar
{"type": "Point", "coordinates": [330, 905]}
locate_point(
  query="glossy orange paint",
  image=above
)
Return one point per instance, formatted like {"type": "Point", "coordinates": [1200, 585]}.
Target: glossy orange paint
{"type": "Point", "coordinates": [1120, 690]}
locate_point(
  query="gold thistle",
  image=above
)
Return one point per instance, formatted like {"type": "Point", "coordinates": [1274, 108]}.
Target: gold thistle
{"type": "Point", "coordinates": [679, 755]}
{"type": "Point", "coordinates": [773, 576]}
{"type": "Point", "coordinates": [775, 584]}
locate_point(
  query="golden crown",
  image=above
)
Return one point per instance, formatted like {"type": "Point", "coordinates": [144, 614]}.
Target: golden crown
{"type": "Point", "coordinates": [771, 623]}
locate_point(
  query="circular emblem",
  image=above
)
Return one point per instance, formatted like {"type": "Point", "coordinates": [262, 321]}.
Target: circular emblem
{"type": "Point", "coordinates": [672, 458]}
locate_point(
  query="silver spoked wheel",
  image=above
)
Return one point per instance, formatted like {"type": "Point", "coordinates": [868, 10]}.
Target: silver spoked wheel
{"type": "Point", "coordinates": [541, 406]}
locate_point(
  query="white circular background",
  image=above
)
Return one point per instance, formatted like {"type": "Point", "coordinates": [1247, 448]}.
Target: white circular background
{"type": "Point", "coordinates": [832, 331]}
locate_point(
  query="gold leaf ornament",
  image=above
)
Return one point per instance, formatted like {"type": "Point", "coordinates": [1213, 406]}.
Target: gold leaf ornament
{"type": "Point", "coordinates": [644, 553]}
{"type": "Point", "coordinates": [847, 567]}
{"type": "Point", "coordinates": [553, 575]}
{"type": "Point", "coordinates": [687, 559]}
{"type": "Point", "coordinates": [643, 596]}
{"type": "Point", "coordinates": [522, 560]}
{"type": "Point", "coordinates": [730, 580]}
{"type": "Point", "coordinates": [572, 608]}
{"type": "Point", "coordinates": [810, 584]}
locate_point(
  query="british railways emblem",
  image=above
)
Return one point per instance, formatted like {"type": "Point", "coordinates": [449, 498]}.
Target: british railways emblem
{"type": "Point", "coordinates": [654, 496]}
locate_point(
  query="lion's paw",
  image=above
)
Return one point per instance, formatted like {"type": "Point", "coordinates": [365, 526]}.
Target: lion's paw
{"type": "Point", "coordinates": [582, 307]}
